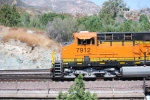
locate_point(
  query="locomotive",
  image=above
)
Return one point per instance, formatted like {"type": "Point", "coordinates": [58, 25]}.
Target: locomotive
{"type": "Point", "coordinates": [104, 54]}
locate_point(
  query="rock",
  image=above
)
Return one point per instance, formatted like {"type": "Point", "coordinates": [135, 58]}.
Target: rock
{"type": "Point", "coordinates": [17, 55]}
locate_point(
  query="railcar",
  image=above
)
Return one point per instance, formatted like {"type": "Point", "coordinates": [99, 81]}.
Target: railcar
{"type": "Point", "coordinates": [105, 54]}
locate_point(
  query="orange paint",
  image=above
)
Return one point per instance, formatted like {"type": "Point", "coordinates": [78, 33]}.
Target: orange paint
{"type": "Point", "coordinates": [104, 49]}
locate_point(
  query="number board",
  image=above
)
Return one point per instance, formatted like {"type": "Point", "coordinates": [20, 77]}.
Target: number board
{"type": "Point", "coordinates": [83, 50]}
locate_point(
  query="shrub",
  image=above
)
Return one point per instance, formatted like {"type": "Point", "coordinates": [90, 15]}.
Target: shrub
{"type": "Point", "coordinates": [77, 92]}
{"type": "Point", "coordinates": [9, 16]}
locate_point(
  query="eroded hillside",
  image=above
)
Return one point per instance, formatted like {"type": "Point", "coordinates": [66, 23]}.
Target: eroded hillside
{"type": "Point", "coordinates": [22, 48]}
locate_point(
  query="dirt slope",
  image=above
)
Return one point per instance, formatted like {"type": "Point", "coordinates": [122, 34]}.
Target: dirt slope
{"type": "Point", "coordinates": [22, 48]}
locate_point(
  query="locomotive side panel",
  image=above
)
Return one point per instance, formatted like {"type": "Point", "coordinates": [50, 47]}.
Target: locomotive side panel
{"type": "Point", "coordinates": [106, 55]}
{"type": "Point", "coordinates": [124, 47]}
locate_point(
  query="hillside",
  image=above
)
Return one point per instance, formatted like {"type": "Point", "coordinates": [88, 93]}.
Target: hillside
{"type": "Point", "coordinates": [23, 48]}
{"type": "Point", "coordinates": [60, 6]}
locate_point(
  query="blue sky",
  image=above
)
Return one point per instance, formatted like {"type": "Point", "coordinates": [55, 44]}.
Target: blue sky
{"type": "Point", "coordinates": [133, 4]}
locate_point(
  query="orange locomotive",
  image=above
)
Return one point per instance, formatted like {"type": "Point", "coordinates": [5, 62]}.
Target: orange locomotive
{"type": "Point", "coordinates": [111, 54]}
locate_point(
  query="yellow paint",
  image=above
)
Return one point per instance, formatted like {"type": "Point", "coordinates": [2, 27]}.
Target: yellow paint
{"type": "Point", "coordinates": [103, 59]}
{"type": "Point", "coordinates": [137, 63]}
{"type": "Point", "coordinates": [53, 57]}
{"type": "Point", "coordinates": [102, 62]}
{"type": "Point", "coordinates": [68, 60]}
{"type": "Point", "coordinates": [79, 60]}
{"type": "Point", "coordinates": [94, 59]}
{"type": "Point", "coordinates": [79, 63]}
{"type": "Point", "coordinates": [122, 62]}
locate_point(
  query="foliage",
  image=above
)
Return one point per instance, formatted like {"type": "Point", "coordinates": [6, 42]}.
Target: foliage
{"type": "Point", "coordinates": [61, 29]}
{"type": "Point", "coordinates": [60, 26]}
{"type": "Point", "coordinates": [111, 9]}
{"type": "Point", "coordinates": [9, 16]}
{"type": "Point", "coordinates": [77, 92]}
{"type": "Point", "coordinates": [39, 21]}
{"type": "Point", "coordinates": [35, 22]}
{"type": "Point", "coordinates": [145, 21]}
{"type": "Point", "coordinates": [45, 18]}
{"type": "Point", "coordinates": [25, 19]}
{"type": "Point", "coordinates": [143, 18]}
{"type": "Point", "coordinates": [127, 25]}
{"type": "Point", "coordinates": [92, 23]}
{"type": "Point", "coordinates": [110, 28]}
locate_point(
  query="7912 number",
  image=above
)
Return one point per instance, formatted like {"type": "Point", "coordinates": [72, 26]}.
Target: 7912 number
{"type": "Point", "coordinates": [81, 50]}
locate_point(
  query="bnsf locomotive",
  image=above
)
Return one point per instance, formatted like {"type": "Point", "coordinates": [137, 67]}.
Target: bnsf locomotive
{"type": "Point", "coordinates": [110, 54]}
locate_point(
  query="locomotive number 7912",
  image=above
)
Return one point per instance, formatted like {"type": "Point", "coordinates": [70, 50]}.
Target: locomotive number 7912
{"type": "Point", "coordinates": [82, 50]}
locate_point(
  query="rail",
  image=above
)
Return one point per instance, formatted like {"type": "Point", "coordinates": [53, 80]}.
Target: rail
{"type": "Point", "coordinates": [25, 74]}
{"type": "Point", "coordinates": [49, 89]}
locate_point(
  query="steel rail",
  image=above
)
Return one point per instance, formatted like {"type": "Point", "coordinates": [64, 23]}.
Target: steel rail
{"type": "Point", "coordinates": [24, 70]}
{"type": "Point", "coordinates": [25, 74]}
{"type": "Point", "coordinates": [25, 77]}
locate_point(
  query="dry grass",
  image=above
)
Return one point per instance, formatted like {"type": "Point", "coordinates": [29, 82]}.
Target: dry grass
{"type": "Point", "coordinates": [35, 39]}
{"type": "Point", "coordinates": [30, 39]}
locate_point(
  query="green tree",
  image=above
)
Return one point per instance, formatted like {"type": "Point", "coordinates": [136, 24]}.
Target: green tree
{"type": "Point", "coordinates": [145, 22]}
{"type": "Point", "coordinates": [111, 28]}
{"type": "Point", "coordinates": [77, 92]}
{"type": "Point", "coordinates": [111, 9]}
{"type": "Point", "coordinates": [45, 18]}
{"type": "Point", "coordinates": [143, 18]}
{"type": "Point", "coordinates": [93, 23]}
{"type": "Point", "coordinates": [35, 22]}
{"type": "Point", "coordinates": [126, 27]}
{"type": "Point", "coordinates": [61, 30]}
{"type": "Point", "coordinates": [25, 19]}
{"type": "Point", "coordinates": [9, 16]}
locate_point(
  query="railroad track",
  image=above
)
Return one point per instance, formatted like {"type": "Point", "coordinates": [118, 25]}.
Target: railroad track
{"type": "Point", "coordinates": [25, 70]}
{"type": "Point", "coordinates": [29, 83]}
{"type": "Point", "coordinates": [25, 74]}
{"type": "Point", "coordinates": [50, 89]}
{"type": "Point", "coordinates": [42, 74]}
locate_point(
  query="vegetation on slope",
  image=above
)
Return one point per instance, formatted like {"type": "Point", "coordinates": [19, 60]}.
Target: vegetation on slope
{"type": "Point", "coordinates": [60, 26]}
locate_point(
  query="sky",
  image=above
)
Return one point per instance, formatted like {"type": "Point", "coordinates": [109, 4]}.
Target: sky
{"type": "Point", "coordinates": [133, 4]}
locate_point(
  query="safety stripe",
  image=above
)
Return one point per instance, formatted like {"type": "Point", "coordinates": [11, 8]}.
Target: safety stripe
{"type": "Point", "coordinates": [104, 59]}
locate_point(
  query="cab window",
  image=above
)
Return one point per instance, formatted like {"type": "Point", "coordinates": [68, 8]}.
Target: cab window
{"type": "Point", "coordinates": [86, 41]}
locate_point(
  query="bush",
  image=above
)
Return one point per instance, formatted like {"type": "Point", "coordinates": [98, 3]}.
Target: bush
{"type": "Point", "coordinates": [77, 92]}
{"type": "Point", "coordinates": [9, 16]}
{"type": "Point", "coordinates": [61, 30]}
{"type": "Point", "coordinates": [35, 22]}
{"type": "Point", "coordinates": [91, 23]}
{"type": "Point", "coordinates": [25, 20]}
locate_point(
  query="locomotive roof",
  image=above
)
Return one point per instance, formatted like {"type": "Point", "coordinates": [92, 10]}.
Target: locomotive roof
{"type": "Point", "coordinates": [121, 32]}
{"type": "Point", "coordinates": [85, 35]}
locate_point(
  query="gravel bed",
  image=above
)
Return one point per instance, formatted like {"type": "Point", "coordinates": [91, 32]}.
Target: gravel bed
{"type": "Point", "coordinates": [105, 86]}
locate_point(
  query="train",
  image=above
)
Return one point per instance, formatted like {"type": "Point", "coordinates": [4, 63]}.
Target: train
{"type": "Point", "coordinates": [104, 54]}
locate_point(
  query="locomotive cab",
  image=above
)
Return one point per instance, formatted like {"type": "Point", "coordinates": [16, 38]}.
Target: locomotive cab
{"type": "Point", "coordinates": [84, 46]}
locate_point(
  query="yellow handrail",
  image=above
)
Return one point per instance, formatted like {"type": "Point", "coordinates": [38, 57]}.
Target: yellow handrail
{"type": "Point", "coordinates": [53, 57]}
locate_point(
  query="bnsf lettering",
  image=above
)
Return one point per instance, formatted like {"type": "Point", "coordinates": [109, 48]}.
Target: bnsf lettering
{"type": "Point", "coordinates": [81, 50]}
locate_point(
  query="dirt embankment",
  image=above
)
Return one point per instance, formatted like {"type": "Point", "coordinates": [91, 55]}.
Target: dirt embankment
{"type": "Point", "coordinates": [22, 48]}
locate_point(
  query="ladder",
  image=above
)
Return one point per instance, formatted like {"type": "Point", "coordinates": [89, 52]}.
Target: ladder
{"type": "Point", "coordinates": [57, 72]}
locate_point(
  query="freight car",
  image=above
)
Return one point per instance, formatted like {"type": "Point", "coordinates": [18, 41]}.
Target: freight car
{"type": "Point", "coordinates": [105, 54]}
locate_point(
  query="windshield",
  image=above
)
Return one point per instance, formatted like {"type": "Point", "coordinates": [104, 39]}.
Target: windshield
{"type": "Point", "coordinates": [86, 41]}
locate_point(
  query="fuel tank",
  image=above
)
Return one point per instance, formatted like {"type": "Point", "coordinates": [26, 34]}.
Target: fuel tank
{"type": "Point", "coordinates": [131, 71]}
